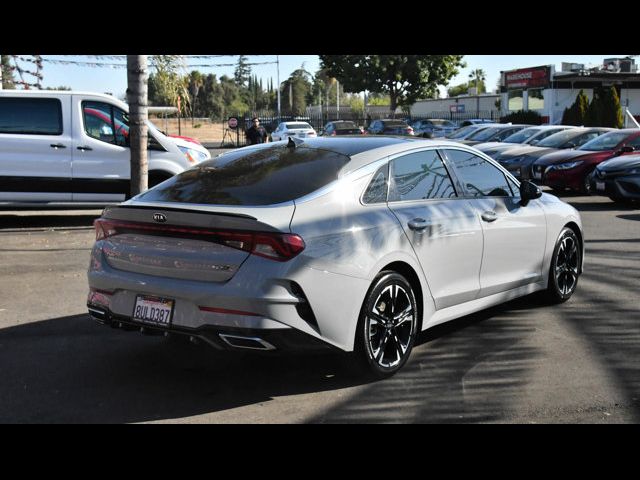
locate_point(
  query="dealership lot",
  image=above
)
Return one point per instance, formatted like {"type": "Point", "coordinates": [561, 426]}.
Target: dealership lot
{"type": "Point", "coordinates": [520, 362]}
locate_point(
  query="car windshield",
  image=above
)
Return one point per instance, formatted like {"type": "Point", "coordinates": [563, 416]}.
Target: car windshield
{"type": "Point", "coordinates": [297, 125]}
{"type": "Point", "coordinates": [262, 176]}
{"type": "Point", "coordinates": [442, 123]}
{"type": "Point", "coordinates": [558, 140]}
{"type": "Point", "coordinates": [521, 136]}
{"type": "Point", "coordinates": [462, 132]}
{"type": "Point", "coordinates": [608, 141]}
{"type": "Point", "coordinates": [484, 134]}
{"type": "Point", "coordinates": [345, 125]}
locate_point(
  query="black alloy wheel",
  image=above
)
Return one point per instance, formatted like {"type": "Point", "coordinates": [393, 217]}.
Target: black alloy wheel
{"type": "Point", "coordinates": [565, 267]}
{"type": "Point", "coordinates": [387, 326]}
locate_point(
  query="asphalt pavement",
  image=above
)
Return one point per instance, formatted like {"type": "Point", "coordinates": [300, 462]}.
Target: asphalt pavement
{"type": "Point", "coordinates": [522, 362]}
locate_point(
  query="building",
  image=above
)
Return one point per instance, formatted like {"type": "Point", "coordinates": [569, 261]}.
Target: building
{"type": "Point", "coordinates": [456, 108]}
{"type": "Point", "coordinates": [548, 92]}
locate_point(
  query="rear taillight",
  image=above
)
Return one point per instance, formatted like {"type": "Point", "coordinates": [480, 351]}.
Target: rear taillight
{"type": "Point", "coordinates": [410, 130]}
{"type": "Point", "coordinates": [274, 246]}
{"type": "Point", "coordinates": [333, 134]}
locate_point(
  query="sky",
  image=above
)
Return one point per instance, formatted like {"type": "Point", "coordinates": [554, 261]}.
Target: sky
{"type": "Point", "coordinates": [114, 80]}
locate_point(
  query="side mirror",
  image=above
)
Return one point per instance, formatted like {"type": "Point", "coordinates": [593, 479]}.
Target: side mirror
{"type": "Point", "coordinates": [528, 191]}
{"type": "Point", "coordinates": [625, 149]}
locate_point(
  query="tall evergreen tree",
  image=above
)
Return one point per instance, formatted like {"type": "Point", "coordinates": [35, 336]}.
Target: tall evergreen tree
{"type": "Point", "coordinates": [242, 73]}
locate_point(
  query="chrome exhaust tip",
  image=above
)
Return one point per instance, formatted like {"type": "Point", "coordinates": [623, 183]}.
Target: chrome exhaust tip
{"type": "Point", "coordinates": [251, 343]}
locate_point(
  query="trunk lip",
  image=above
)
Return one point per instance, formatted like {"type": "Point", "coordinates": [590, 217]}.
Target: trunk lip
{"type": "Point", "coordinates": [179, 209]}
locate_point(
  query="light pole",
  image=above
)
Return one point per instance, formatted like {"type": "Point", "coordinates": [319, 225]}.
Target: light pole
{"type": "Point", "coordinates": [278, 79]}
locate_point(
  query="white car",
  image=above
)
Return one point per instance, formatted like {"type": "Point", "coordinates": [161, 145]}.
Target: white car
{"type": "Point", "coordinates": [354, 244]}
{"type": "Point", "coordinates": [293, 129]}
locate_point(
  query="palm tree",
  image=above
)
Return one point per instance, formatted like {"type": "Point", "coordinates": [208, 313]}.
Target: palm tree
{"type": "Point", "coordinates": [196, 81]}
{"type": "Point", "coordinates": [479, 76]}
{"type": "Point", "coordinates": [137, 98]}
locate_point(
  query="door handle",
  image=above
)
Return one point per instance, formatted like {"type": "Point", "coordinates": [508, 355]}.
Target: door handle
{"type": "Point", "coordinates": [83, 148]}
{"type": "Point", "coordinates": [418, 224]}
{"type": "Point", "coordinates": [58, 145]}
{"type": "Point", "coordinates": [489, 216]}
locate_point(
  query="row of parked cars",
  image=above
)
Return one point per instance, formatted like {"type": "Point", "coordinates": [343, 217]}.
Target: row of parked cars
{"type": "Point", "coordinates": [595, 160]}
{"type": "Point", "coordinates": [559, 156]}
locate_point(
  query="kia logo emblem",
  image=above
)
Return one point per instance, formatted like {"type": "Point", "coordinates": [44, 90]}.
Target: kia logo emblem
{"type": "Point", "coordinates": [160, 217]}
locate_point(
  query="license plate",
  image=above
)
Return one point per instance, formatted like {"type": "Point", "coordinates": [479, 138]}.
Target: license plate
{"type": "Point", "coordinates": [600, 186]}
{"type": "Point", "coordinates": [154, 310]}
{"type": "Point", "coordinates": [537, 175]}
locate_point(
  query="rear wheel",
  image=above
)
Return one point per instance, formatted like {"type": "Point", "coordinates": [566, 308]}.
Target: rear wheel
{"type": "Point", "coordinates": [565, 267]}
{"type": "Point", "coordinates": [387, 325]}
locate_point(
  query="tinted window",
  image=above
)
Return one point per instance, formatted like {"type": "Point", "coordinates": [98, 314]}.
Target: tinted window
{"type": "Point", "coordinates": [262, 176]}
{"type": "Point", "coordinates": [418, 176]}
{"type": "Point", "coordinates": [462, 132]}
{"type": "Point", "coordinates": [484, 134]}
{"type": "Point", "coordinates": [608, 141]}
{"type": "Point", "coordinates": [522, 135]}
{"type": "Point", "coordinates": [635, 143]}
{"type": "Point", "coordinates": [98, 122]}
{"type": "Point", "coordinates": [298, 125]}
{"type": "Point", "coordinates": [38, 116]}
{"type": "Point", "coordinates": [396, 123]}
{"type": "Point", "coordinates": [345, 125]}
{"type": "Point", "coordinates": [505, 133]}
{"type": "Point", "coordinates": [481, 178]}
{"type": "Point", "coordinates": [377, 190]}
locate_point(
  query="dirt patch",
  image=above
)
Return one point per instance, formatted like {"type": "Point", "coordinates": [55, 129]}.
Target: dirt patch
{"type": "Point", "coordinates": [207, 131]}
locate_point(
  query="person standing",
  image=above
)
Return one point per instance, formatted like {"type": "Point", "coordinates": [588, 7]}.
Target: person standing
{"type": "Point", "coordinates": [256, 133]}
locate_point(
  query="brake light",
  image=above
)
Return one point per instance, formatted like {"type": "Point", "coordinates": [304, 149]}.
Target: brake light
{"type": "Point", "coordinates": [274, 246]}
{"type": "Point", "coordinates": [333, 134]}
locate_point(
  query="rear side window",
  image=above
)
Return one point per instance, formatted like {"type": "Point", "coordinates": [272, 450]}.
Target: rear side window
{"type": "Point", "coordinates": [419, 176]}
{"type": "Point", "coordinates": [376, 192]}
{"type": "Point", "coordinates": [31, 116]}
{"type": "Point", "coordinates": [480, 178]}
{"type": "Point", "coordinates": [262, 176]}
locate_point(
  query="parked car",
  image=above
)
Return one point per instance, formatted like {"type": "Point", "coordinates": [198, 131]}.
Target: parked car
{"type": "Point", "coordinates": [618, 178]}
{"type": "Point", "coordinates": [293, 129]}
{"type": "Point", "coordinates": [341, 127]}
{"type": "Point", "coordinates": [433, 127]}
{"type": "Point", "coordinates": [389, 127]}
{"type": "Point", "coordinates": [54, 148]}
{"type": "Point", "coordinates": [495, 133]}
{"type": "Point", "coordinates": [475, 121]}
{"type": "Point", "coordinates": [352, 244]}
{"type": "Point", "coordinates": [571, 168]}
{"type": "Point", "coordinates": [526, 136]}
{"type": "Point", "coordinates": [468, 130]}
{"type": "Point", "coordinates": [190, 147]}
{"type": "Point", "coordinates": [519, 160]}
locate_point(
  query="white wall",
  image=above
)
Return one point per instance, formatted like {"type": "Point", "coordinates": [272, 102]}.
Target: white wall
{"type": "Point", "coordinates": [471, 104]}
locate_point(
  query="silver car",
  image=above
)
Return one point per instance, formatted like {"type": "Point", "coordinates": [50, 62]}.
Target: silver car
{"type": "Point", "coordinates": [354, 244]}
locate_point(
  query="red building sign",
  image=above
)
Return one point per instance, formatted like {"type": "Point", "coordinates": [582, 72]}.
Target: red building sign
{"type": "Point", "coordinates": [528, 77]}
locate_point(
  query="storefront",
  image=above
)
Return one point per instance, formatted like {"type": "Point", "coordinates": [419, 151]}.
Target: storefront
{"type": "Point", "coordinates": [548, 92]}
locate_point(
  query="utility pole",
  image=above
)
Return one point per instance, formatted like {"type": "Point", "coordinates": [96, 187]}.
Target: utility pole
{"type": "Point", "coordinates": [278, 79]}
{"type": "Point", "coordinates": [137, 77]}
{"type": "Point", "coordinates": [338, 98]}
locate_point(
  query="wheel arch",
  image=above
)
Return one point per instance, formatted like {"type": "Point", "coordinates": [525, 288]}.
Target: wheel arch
{"type": "Point", "coordinates": [576, 229]}
{"type": "Point", "coordinates": [410, 274]}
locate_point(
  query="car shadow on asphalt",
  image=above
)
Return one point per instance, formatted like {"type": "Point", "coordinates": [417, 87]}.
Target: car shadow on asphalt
{"type": "Point", "coordinates": [72, 370]}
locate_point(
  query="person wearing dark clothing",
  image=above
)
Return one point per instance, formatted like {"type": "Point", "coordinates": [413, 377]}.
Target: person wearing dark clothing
{"type": "Point", "coordinates": [256, 133]}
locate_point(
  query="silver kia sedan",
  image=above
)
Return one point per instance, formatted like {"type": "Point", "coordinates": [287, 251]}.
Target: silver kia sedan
{"type": "Point", "coordinates": [354, 244]}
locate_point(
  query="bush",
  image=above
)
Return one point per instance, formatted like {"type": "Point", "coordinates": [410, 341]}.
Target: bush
{"type": "Point", "coordinates": [197, 125]}
{"type": "Point", "coordinates": [528, 117]}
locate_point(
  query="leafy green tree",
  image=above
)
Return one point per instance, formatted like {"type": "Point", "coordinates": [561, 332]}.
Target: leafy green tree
{"type": "Point", "coordinates": [297, 90]}
{"type": "Point", "coordinates": [405, 78]}
{"type": "Point", "coordinates": [169, 86]}
{"type": "Point", "coordinates": [242, 73]}
{"type": "Point", "coordinates": [196, 80]}
{"type": "Point", "coordinates": [594, 112]}
{"type": "Point", "coordinates": [611, 110]}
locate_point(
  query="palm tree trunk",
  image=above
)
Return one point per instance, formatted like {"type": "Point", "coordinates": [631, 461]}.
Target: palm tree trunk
{"type": "Point", "coordinates": [137, 77]}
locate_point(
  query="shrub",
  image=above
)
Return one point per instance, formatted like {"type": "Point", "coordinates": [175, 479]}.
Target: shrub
{"type": "Point", "coordinates": [528, 117]}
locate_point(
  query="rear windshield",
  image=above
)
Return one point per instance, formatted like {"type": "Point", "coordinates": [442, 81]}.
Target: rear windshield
{"type": "Point", "coordinates": [345, 125]}
{"type": "Point", "coordinates": [396, 123]}
{"type": "Point", "coordinates": [261, 176]}
{"type": "Point", "coordinates": [298, 125]}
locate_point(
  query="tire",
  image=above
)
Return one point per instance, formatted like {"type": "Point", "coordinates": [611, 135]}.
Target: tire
{"type": "Point", "coordinates": [565, 267]}
{"type": "Point", "coordinates": [586, 186]}
{"type": "Point", "coordinates": [383, 344]}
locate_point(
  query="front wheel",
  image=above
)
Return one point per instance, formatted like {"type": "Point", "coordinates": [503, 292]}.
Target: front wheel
{"type": "Point", "coordinates": [387, 326]}
{"type": "Point", "coordinates": [565, 267]}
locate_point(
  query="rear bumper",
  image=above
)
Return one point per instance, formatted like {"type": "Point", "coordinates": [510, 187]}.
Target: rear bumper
{"type": "Point", "coordinates": [220, 338]}
{"type": "Point", "coordinates": [627, 187]}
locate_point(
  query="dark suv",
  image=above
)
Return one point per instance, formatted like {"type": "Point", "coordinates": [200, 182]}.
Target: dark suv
{"type": "Point", "coordinates": [389, 127]}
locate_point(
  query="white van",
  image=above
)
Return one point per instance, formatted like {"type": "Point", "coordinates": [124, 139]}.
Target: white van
{"type": "Point", "coordinates": [64, 146]}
